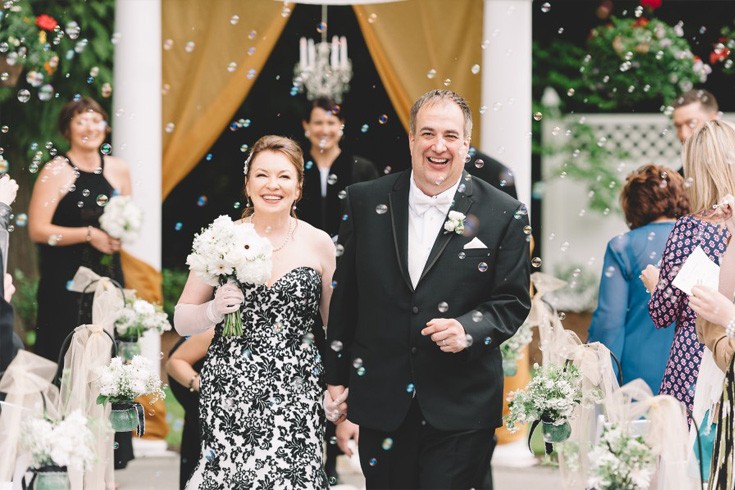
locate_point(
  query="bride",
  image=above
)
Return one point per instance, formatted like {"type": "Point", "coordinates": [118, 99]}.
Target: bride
{"type": "Point", "coordinates": [261, 411]}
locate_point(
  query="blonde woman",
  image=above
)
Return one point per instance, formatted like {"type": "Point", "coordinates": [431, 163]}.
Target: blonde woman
{"type": "Point", "coordinates": [709, 158]}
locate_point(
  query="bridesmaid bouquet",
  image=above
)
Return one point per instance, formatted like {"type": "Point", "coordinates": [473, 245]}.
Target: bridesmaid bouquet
{"type": "Point", "coordinates": [621, 460]}
{"type": "Point", "coordinates": [60, 444]}
{"type": "Point", "coordinates": [122, 219]}
{"type": "Point", "coordinates": [229, 252]}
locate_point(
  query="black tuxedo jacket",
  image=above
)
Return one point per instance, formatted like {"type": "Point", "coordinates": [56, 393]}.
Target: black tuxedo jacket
{"type": "Point", "coordinates": [376, 315]}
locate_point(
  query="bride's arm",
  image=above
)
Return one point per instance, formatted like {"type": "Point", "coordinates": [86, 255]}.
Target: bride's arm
{"type": "Point", "coordinates": [327, 253]}
{"type": "Point", "coordinates": [196, 311]}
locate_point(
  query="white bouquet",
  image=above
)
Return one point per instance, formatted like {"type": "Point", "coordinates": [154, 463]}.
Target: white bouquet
{"type": "Point", "coordinates": [139, 316]}
{"type": "Point", "coordinates": [226, 251]}
{"type": "Point", "coordinates": [122, 219]}
{"type": "Point", "coordinates": [122, 383]}
{"type": "Point", "coordinates": [620, 460]}
{"type": "Point", "coordinates": [66, 443]}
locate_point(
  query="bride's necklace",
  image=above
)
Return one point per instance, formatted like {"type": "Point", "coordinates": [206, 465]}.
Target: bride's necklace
{"type": "Point", "coordinates": [289, 235]}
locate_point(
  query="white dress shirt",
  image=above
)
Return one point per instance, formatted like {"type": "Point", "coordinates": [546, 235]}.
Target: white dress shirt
{"type": "Point", "coordinates": [426, 216]}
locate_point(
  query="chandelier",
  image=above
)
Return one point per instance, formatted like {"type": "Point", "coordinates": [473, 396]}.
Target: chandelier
{"type": "Point", "coordinates": [323, 70]}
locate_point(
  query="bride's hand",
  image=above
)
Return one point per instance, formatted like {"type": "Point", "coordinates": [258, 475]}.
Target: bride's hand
{"type": "Point", "coordinates": [103, 242]}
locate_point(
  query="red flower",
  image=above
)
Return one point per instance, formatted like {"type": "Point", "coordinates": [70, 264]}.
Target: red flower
{"type": "Point", "coordinates": [46, 22]}
{"type": "Point", "coordinates": [642, 22]}
{"type": "Point", "coordinates": [718, 55]}
{"type": "Point", "coordinates": [651, 4]}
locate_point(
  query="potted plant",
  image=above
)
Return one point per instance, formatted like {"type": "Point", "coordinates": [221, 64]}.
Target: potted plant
{"type": "Point", "coordinates": [26, 42]}
{"type": "Point", "coordinates": [511, 349]}
{"type": "Point", "coordinates": [550, 398]}
{"type": "Point", "coordinates": [620, 460]}
{"type": "Point", "coordinates": [120, 383]}
{"type": "Point", "coordinates": [56, 446]}
{"type": "Point", "coordinates": [136, 319]}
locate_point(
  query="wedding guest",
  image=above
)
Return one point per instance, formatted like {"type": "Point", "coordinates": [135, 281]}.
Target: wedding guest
{"type": "Point", "coordinates": [329, 168]}
{"type": "Point", "coordinates": [652, 199]}
{"type": "Point", "coordinates": [184, 364]}
{"type": "Point", "coordinates": [715, 309]}
{"type": "Point", "coordinates": [261, 414]}
{"type": "Point", "coordinates": [63, 219]}
{"type": "Point", "coordinates": [417, 313]}
{"type": "Point", "coordinates": [692, 110]}
{"type": "Point", "coordinates": [708, 162]}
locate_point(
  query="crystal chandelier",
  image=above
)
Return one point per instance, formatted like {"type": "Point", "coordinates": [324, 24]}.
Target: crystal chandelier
{"type": "Point", "coordinates": [324, 69]}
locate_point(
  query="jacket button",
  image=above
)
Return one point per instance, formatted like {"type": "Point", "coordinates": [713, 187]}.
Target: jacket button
{"type": "Point", "coordinates": [415, 310]}
{"type": "Point", "coordinates": [414, 350]}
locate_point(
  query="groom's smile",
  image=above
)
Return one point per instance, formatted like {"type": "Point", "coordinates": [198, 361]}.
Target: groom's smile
{"type": "Point", "coordinates": [439, 146]}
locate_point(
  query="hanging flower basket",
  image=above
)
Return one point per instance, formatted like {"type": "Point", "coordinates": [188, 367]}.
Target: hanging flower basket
{"type": "Point", "coordinates": [48, 478]}
{"type": "Point", "coordinates": [510, 367]}
{"type": "Point", "coordinates": [9, 74]}
{"type": "Point", "coordinates": [127, 417]}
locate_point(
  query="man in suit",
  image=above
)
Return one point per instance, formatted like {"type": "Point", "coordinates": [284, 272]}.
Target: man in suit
{"type": "Point", "coordinates": [433, 277]}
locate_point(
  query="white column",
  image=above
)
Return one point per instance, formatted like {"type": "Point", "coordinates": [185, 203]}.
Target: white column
{"type": "Point", "coordinates": [506, 88]}
{"type": "Point", "coordinates": [136, 125]}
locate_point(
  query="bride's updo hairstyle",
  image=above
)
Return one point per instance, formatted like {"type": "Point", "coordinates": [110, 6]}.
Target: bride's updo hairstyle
{"type": "Point", "coordinates": [277, 144]}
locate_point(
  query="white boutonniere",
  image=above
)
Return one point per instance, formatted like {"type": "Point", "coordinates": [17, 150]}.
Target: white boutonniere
{"type": "Point", "coordinates": [454, 223]}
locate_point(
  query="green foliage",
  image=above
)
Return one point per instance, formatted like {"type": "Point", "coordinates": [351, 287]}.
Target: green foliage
{"type": "Point", "coordinates": [24, 39]}
{"type": "Point", "coordinates": [173, 284]}
{"type": "Point", "coordinates": [84, 68]}
{"type": "Point", "coordinates": [24, 299]}
{"type": "Point", "coordinates": [723, 52]}
{"type": "Point", "coordinates": [635, 60]}
{"type": "Point", "coordinates": [589, 162]}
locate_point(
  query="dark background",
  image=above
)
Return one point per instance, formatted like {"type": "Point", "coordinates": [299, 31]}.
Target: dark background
{"type": "Point", "coordinates": [215, 186]}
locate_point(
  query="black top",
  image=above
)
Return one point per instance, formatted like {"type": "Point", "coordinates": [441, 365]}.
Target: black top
{"type": "Point", "coordinates": [325, 212]}
{"type": "Point", "coordinates": [493, 172]}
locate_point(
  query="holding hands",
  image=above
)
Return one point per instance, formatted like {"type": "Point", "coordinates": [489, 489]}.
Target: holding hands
{"type": "Point", "coordinates": [335, 403]}
{"type": "Point", "coordinates": [447, 333]}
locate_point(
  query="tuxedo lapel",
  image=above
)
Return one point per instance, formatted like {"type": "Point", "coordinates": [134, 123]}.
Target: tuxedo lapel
{"type": "Point", "coordinates": [462, 203]}
{"type": "Point", "coordinates": [398, 205]}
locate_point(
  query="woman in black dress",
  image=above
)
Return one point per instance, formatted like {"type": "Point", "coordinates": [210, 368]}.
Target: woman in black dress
{"type": "Point", "coordinates": [183, 367]}
{"type": "Point", "coordinates": [63, 219]}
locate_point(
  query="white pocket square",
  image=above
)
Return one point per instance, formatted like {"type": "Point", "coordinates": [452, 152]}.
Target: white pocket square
{"type": "Point", "coordinates": [474, 243]}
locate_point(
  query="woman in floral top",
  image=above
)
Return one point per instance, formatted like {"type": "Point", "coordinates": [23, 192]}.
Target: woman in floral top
{"type": "Point", "coordinates": [709, 165]}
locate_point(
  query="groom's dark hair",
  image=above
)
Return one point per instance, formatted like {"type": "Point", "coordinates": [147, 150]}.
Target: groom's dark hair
{"type": "Point", "coordinates": [432, 97]}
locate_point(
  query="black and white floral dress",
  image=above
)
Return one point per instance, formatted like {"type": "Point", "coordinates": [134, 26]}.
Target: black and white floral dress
{"type": "Point", "coordinates": [261, 411]}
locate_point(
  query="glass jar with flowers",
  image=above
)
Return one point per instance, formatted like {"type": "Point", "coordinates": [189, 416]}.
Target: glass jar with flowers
{"type": "Point", "coordinates": [550, 398]}
{"type": "Point", "coordinates": [26, 42]}
{"type": "Point", "coordinates": [120, 383]}
{"type": "Point", "coordinates": [54, 447]}
{"type": "Point", "coordinates": [138, 317]}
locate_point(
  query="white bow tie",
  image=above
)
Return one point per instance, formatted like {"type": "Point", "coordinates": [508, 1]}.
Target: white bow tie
{"type": "Point", "coordinates": [422, 202]}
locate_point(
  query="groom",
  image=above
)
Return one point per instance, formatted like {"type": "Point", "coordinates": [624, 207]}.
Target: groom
{"type": "Point", "coordinates": [433, 277]}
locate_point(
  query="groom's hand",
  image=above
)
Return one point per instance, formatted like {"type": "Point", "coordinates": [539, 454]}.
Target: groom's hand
{"type": "Point", "coordinates": [447, 333]}
{"type": "Point", "coordinates": [346, 432]}
{"type": "Point", "coordinates": [335, 403]}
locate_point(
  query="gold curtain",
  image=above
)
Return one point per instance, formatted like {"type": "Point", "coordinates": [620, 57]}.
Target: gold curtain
{"type": "Point", "coordinates": [411, 39]}
{"type": "Point", "coordinates": [210, 61]}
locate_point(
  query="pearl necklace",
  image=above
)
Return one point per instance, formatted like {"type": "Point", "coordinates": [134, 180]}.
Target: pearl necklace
{"type": "Point", "coordinates": [289, 235]}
